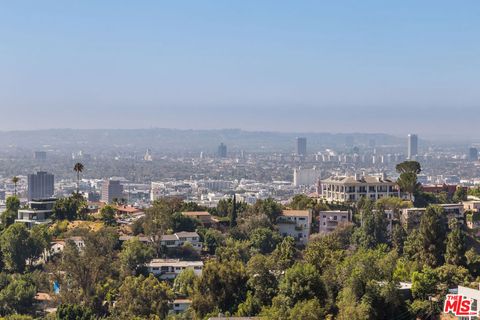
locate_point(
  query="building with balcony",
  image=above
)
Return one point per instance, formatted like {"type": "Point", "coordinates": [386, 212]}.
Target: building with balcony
{"type": "Point", "coordinates": [295, 224]}
{"type": "Point", "coordinates": [353, 188]}
{"type": "Point", "coordinates": [330, 220]}
{"type": "Point", "coordinates": [169, 269]}
{"type": "Point", "coordinates": [38, 212]}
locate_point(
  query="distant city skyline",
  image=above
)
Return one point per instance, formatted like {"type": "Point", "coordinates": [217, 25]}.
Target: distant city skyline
{"type": "Point", "coordinates": [347, 66]}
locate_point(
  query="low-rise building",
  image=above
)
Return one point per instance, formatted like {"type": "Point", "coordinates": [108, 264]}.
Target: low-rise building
{"type": "Point", "coordinates": [180, 305]}
{"type": "Point", "coordinates": [330, 220]}
{"type": "Point", "coordinates": [295, 224]}
{"type": "Point", "coordinates": [411, 217]}
{"type": "Point", "coordinates": [353, 188]}
{"type": "Point", "coordinates": [180, 238]}
{"type": "Point", "coordinates": [168, 269]}
{"type": "Point", "coordinates": [203, 216]}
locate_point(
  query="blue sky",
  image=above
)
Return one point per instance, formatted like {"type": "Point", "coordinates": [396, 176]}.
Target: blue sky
{"type": "Point", "coordinates": [340, 66]}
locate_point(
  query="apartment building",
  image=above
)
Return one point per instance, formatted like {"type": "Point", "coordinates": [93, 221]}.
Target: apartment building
{"type": "Point", "coordinates": [353, 188]}
{"type": "Point", "coordinates": [411, 217]}
{"type": "Point", "coordinates": [296, 224]}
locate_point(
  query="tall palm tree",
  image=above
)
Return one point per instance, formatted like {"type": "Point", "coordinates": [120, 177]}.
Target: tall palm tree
{"type": "Point", "coordinates": [78, 167]}
{"type": "Point", "coordinates": [15, 180]}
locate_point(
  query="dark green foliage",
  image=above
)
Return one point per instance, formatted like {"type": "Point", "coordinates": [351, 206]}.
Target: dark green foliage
{"type": "Point", "coordinates": [69, 208]}
{"type": "Point", "coordinates": [74, 312]}
{"type": "Point", "coordinates": [456, 247]}
{"type": "Point", "coordinates": [212, 240]}
{"type": "Point", "coordinates": [302, 282]}
{"type": "Point", "coordinates": [268, 207]}
{"type": "Point", "coordinates": [17, 294]}
{"type": "Point", "coordinates": [20, 245]}
{"type": "Point", "coordinates": [460, 194]}
{"type": "Point", "coordinates": [143, 297]}
{"type": "Point", "coordinates": [407, 181]}
{"type": "Point", "coordinates": [233, 213]}
{"type": "Point", "coordinates": [134, 256]}
{"type": "Point", "coordinates": [179, 222]}
{"type": "Point", "coordinates": [373, 228]}
{"type": "Point", "coordinates": [107, 215]}
{"type": "Point", "coordinates": [222, 286]}
{"type": "Point", "coordinates": [264, 240]}
{"type": "Point", "coordinates": [10, 214]}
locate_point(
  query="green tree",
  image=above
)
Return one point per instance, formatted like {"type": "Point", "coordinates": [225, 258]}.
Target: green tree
{"type": "Point", "coordinates": [327, 250]}
{"type": "Point", "coordinates": [222, 286]}
{"type": "Point", "coordinates": [264, 240]}
{"type": "Point", "coordinates": [15, 242]}
{"type": "Point", "coordinates": [302, 202]}
{"type": "Point", "coordinates": [268, 207]}
{"type": "Point", "coordinates": [432, 233]}
{"type": "Point", "coordinates": [261, 280]}
{"type": "Point", "coordinates": [234, 250]}
{"type": "Point", "coordinates": [13, 203]}
{"type": "Point", "coordinates": [302, 282]}
{"type": "Point", "coordinates": [310, 309]}
{"type": "Point", "coordinates": [158, 217]}
{"type": "Point", "coordinates": [460, 194]}
{"type": "Point", "coordinates": [107, 214]}
{"type": "Point", "coordinates": [40, 239]}
{"type": "Point", "coordinates": [284, 254]}
{"type": "Point", "coordinates": [212, 240]}
{"type": "Point", "coordinates": [87, 271]}
{"type": "Point", "coordinates": [179, 222]}
{"type": "Point", "coordinates": [373, 228]}
{"type": "Point", "coordinates": [74, 312]}
{"type": "Point", "coordinates": [11, 212]}
{"type": "Point", "coordinates": [143, 297]}
{"type": "Point", "coordinates": [407, 181]}
{"type": "Point", "coordinates": [398, 237]}
{"type": "Point", "coordinates": [184, 283]}
{"type": "Point", "coordinates": [233, 214]}
{"type": "Point", "coordinates": [17, 296]}
{"type": "Point", "coordinates": [456, 247]}
{"type": "Point", "coordinates": [68, 208]}
{"type": "Point", "coordinates": [78, 168]}
{"type": "Point", "coordinates": [424, 283]}
{"type": "Point", "coordinates": [408, 166]}
{"type": "Point", "coordinates": [134, 255]}
{"type": "Point", "coordinates": [250, 307]}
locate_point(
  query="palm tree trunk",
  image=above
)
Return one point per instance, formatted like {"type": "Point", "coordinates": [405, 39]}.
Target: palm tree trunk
{"type": "Point", "coordinates": [78, 182]}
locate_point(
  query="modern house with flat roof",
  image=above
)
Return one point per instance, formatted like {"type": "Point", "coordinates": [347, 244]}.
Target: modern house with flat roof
{"type": "Point", "coordinates": [169, 269]}
{"type": "Point", "coordinates": [38, 212]}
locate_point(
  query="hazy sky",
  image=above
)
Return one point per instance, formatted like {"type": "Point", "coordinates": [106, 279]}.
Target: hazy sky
{"type": "Point", "coordinates": [341, 66]}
